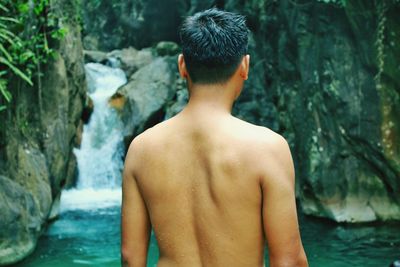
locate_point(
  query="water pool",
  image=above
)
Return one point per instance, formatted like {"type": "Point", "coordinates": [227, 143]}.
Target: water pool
{"type": "Point", "coordinates": [91, 238]}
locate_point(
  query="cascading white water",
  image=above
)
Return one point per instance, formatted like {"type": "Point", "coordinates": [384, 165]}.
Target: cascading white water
{"type": "Point", "coordinates": [100, 155]}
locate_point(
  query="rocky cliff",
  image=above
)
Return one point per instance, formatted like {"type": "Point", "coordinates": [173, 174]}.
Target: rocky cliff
{"type": "Point", "coordinates": [330, 72]}
{"type": "Point", "coordinates": [324, 74]}
{"type": "Point", "coordinates": [38, 132]}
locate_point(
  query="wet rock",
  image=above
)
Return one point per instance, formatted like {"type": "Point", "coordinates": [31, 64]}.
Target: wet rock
{"type": "Point", "coordinates": [20, 222]}
{"type": "Point", "coordinates": [71, 102]}
{"type": "Point", "coordinates": [25, 203]}
{"type": "Point", "coordinates": [91, 42]}
{"type": "Point", "coordinates": [118, 101]}
{"type": "Point", "coordinates": [95, 56]}
{"type": "Point", "coordinates": [147, 93]}
{"type": "Point", "coordinates": [130, 59]}
{"type": "Point", "coordinates": [180, 100]}
{"type": "Point", "coordinates": [30, 171]}
{"type": "Point", "coordinates": [59, 133]}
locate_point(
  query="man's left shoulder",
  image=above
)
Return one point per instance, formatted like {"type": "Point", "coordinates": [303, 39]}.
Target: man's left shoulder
{"type": "Point", "coordinates": [268, 139]}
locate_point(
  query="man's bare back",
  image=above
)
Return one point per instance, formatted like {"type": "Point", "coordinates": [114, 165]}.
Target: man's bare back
{"type": "Point", "coordinates": [202, 179]}
{"type": "Point", "coordinates": [212, 187]}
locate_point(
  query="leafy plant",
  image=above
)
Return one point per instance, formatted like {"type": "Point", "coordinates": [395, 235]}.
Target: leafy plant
{"type": "Point", "coordinates": [26, 29]}
{"type": "Point", "coordinates": [8, 39]}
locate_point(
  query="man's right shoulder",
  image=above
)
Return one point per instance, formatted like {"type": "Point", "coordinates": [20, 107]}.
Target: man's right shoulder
{"type": "Point", "coordinates": [148, 139]}
{"type": "Point", "coordinates": [140, 149]}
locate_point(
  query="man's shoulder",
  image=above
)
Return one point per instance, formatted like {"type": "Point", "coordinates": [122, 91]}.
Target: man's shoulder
{"type": "Point", "coordinates": [142, 148]}
{"type": "Point", "coordinates": [263, 137]}
{"type": "Point", "coordinates": [273, 157]}
{"type": "Point", "coordinates": [265, 147]}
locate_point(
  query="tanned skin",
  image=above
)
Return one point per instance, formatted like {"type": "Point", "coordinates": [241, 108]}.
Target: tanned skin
{"type": "Point", "coordinates": [214, 188]}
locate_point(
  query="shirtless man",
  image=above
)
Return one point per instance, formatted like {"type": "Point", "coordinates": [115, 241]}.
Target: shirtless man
{"type": "Point", "coordinates": [212, 187]}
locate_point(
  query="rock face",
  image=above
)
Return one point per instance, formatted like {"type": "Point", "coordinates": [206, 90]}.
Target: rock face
{"type": "Point", "coordinates": [327, 84]}
{"type": "Point", "coordinates": [114, 24]}
{"type": "Point", "coordinates": [140, 23]}
{"type": "Point", "coordinates": [38, 134]}
{"type": "Point", "coordinates": [336, 102]}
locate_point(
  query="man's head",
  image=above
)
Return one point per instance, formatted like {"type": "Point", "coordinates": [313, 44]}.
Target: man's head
{"type": "Point", "coordinates": [213, 45]}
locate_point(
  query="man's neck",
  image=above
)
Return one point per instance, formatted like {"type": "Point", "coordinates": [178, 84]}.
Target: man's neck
{"type": "Point", "coordinates": [214, 98]}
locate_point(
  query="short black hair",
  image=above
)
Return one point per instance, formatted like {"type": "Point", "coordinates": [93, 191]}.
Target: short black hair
{"type": "Point", "coordinates": [213, 44]}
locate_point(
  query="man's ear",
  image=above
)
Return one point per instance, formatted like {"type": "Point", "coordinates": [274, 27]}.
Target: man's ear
{"type": "Point", "coordinates": [182, 67]}
{"type": "Point", "coordinates": [244, 67]}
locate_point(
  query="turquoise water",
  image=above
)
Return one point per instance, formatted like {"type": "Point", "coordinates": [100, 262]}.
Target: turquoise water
{"type": "Point", "coordinates": [91, 238]}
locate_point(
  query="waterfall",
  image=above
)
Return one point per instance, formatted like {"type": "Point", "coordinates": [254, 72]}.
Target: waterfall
{"type": "Point", "coordinates": [100, 156]}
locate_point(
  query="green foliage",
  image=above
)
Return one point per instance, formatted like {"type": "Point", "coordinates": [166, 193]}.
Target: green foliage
{"type": "Point", "coordinates": [26, 29]}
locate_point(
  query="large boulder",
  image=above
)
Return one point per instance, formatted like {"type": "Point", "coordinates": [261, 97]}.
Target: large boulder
{"type": "Point", "coordinates": [146, 95]}
{"type": "Point", "coordinates": [59, 134]}
{"type": "Point", "coordinates": [29, 170]}
{"type": "Point", "coordinates": [25, 203]}
{"type": "Point", "coordinates": [130, 60]}
{"type": "Point", "coordinates": [20, 222]}
{"type": "Point", "coordinates": [180, 100]}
